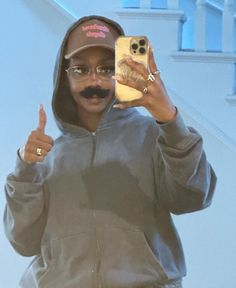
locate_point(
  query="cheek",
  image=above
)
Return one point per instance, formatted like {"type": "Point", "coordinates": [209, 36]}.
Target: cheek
{"type": "Point", "coordinates": [75, 87]}
{"type": "Point", "coordinates": [111, 85]}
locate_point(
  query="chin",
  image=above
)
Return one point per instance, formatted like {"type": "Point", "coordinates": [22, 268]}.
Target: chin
{"type": "Point", "coordinates": [96, 105]}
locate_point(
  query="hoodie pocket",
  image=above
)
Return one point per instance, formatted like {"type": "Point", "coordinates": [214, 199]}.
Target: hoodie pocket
{"type": "Point", "coordinates": [128, 260]}
{"type": "Point", "coordinates": [73, 262]}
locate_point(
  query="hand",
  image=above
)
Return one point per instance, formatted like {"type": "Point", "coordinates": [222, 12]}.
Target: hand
{"type": "Point", "coordinates": [38, 143]}
{"type": "Point", "coordinates": [155, 98]}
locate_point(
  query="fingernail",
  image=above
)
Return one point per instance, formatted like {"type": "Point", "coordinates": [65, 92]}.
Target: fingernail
{"type": "Point", "coordinates": [118, 77]}
{"type": "Point", "coordinates": [41, 106]}
{"type": "Point", "coordinates": [119, 106]}
{"type": "Point", "coordinates": [128, 59]}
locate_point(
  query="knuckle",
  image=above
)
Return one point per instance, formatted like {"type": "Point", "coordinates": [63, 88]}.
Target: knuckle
{"type": "Point", "coordinates": [33, 133]}
{"type": "Point", "coordinates": [49, 148]}
{"type": "Point", "coordinates": [125, 81]}
{"type": "Point", "coordinates": [46, 147]}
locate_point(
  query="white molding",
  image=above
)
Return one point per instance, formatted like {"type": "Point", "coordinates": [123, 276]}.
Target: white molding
{"type": "Point", "coordinates": [141, 12]}
{"type": "Point", "coordinates": [215, 4]}
{"type": "Point", "coordinates": [200, 24]}
{"type": "Point", "coordinates": [62, 10]}
{"type": "Point", "coordinates": [218, 5]}
{"type": "Point", "coordinates": [204, 56]}
{"type": "Point", "coordinates": [152, 14]}
{"type": "Point", "coordinates": [202, 120]}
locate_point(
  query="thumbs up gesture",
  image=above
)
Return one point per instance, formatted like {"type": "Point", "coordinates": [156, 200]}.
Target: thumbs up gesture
{"type": "Point", "coordinates": [38, 143]}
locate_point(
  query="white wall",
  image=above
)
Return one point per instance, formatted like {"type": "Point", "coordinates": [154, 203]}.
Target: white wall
{"type": "Point", "coordinates": [30, 36]}
{"type": "Point", "coordinates": [84, 7]}
{"type": "Point", "coordinates": [31, 33]}
{"type": "Point", "coordinates": [209, 236]}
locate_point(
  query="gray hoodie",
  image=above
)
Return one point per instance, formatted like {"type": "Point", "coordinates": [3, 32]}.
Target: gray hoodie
{"type": "Point", "coordinates": [97, 211]}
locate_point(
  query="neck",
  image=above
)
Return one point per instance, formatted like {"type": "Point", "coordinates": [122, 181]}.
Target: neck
{"type": "Point", "coordinates": [89, 121]}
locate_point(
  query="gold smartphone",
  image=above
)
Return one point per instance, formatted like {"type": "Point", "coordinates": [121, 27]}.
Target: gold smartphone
{"type": "Point", "coordinates": [137, 47]}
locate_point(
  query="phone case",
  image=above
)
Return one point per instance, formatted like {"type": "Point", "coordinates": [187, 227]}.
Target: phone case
{"type": "Point", "coordinates": [136, 47]}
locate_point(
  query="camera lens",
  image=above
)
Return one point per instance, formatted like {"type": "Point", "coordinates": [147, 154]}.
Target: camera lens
{"type": "Point", "coordinates": [142, 50]}
{"type": "Point", "coordinates": [134, 46]}
{"type": "Point", "coordinates": [142, 42]}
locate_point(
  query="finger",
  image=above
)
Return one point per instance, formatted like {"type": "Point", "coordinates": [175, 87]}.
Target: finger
{"type": "Point", "coordinates": [138, 67]}
{"type": "Point", "coordinates": [42, 119]}
{"type": "Point", "coordinates": [36, 158]}
{"type": "Point", "coordinates": [152, 63]}
{"type": "Point", "coordinates": [37, 136]}
{"type": "Point", "coordinates": [32, 150]}
{"type": "Point", "coordinates": [29, 157]}
{"type": "Point", "coordinates": [32, 146]}
{"type": "Point", "coordinates": [33, 158]}
{"type": "Point", "coordinates": [145, 72]}
{"type": "Point", "coordinates": [138, 85]}
{"type": "Point", "coordinates": [45, 139]}
{"type": "Point", "coordinates": [128, 104]}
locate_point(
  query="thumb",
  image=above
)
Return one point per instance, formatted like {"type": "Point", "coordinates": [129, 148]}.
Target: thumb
{"type": "Point", "coordinates": [42, 119]}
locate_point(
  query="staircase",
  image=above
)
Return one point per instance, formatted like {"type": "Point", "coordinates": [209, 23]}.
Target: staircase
{"type": "Point", "coordinates": [194, 44]}
{"type": "Point", "coordinates": [195, 50]}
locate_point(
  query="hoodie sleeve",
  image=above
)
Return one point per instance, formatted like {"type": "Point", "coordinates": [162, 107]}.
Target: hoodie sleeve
{"type": "Point", "coordinates": [24, 216]}
{"type": "Point", "coordinates": [185, 178]}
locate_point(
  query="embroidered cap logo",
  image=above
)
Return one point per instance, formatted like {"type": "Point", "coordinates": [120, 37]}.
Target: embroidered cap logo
{"type": "Point", "coordinates": [91, 33]}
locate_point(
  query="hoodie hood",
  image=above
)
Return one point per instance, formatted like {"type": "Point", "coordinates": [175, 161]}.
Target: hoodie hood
{"type": "Point", "coordinates": [63, 104]}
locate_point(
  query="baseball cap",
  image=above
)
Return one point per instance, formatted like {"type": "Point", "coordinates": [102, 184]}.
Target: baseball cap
{"type": "Point", "coordinates": [93, 31]}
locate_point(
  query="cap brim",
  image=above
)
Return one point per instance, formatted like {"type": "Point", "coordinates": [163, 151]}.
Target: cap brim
{"type": "Point", "coordinates": [68, 56]}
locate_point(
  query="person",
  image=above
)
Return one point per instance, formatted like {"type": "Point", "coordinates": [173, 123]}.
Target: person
{"type": "Point", "coordinates": [94, 206]}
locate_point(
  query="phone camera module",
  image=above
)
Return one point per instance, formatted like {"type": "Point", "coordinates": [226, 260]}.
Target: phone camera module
{"type": "Point", "coordinates": [142, 42]}
{"type": "Point", "coordinates": [138, 46]}
{"type": "Point", "coordinates": [142, 50]}
{"type": "Point", "coordinates": [134, 46]}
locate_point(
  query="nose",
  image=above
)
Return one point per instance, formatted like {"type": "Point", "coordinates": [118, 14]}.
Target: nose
{"type": "Point", "coordinates": [94, 77]}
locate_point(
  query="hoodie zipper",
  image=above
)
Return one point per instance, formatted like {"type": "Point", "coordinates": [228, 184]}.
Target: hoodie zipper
{"type": "Point", "coordinates": [98, 249]}
{"type": "Point", "coordinates": [94, 136]}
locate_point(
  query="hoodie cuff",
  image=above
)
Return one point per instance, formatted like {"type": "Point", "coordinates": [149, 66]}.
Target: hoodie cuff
{"type": "Point", "coordinates": [24, 171]}
{"type": "Point", "coordinates": [174, 132]}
